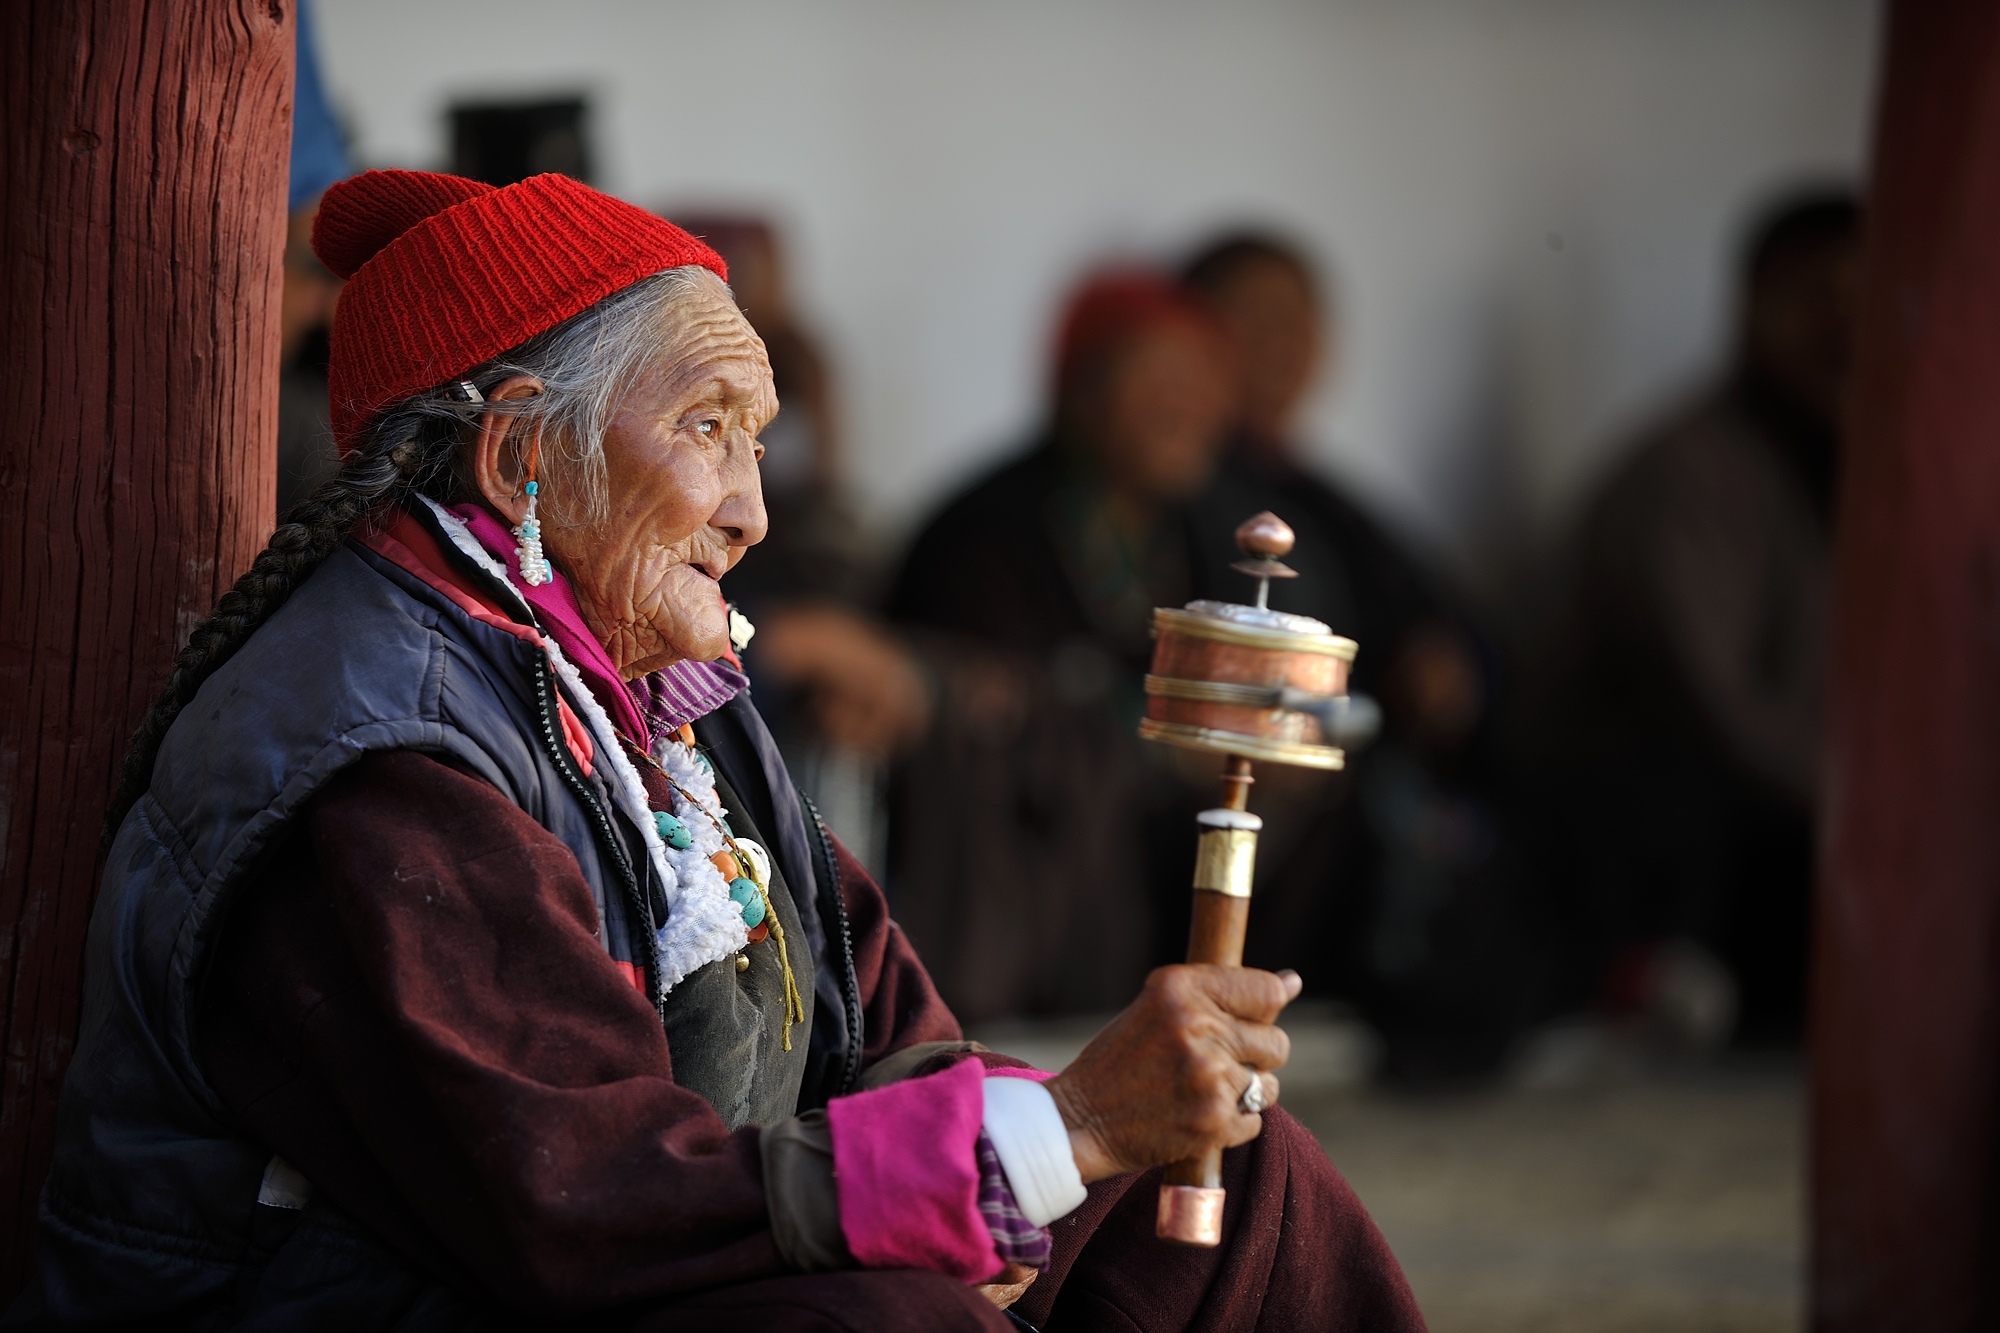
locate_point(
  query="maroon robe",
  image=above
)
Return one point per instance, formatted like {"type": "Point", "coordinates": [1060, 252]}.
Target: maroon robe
{"type": "Point", "coordinates": [410, 1005]}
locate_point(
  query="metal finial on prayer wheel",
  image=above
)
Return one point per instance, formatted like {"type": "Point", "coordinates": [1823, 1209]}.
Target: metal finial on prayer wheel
{"type": "Point", "coordinates": [1249, 683]}
{"type": "Point", "coordinates": [1266, 535]}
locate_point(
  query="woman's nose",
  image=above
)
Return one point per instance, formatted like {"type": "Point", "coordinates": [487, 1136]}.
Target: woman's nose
{"type": "Point", "coordinates": [741, 517]}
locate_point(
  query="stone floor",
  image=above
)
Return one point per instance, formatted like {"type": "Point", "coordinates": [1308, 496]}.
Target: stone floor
{"type": "Point", "coordinates": [1592, 1194]}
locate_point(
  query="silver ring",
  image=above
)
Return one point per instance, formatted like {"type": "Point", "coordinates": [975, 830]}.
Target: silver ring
{"type": "Point", "coordinates": [1253, 1101]}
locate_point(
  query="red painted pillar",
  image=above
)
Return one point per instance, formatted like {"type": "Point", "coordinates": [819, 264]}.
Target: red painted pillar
{"type": "Point", "coordinates": [1906, 1054]}
{"type": "Point", "coordinates": [143, 155]}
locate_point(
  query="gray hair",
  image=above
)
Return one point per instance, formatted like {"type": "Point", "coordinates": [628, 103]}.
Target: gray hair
{"type": "Point", "coordinates": [589, 362]}
{"type": "Point", "coordinates": [587, 365]}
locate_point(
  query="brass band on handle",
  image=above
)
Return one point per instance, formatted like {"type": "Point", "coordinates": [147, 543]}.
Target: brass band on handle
{"type": "Point", "coordinates": [1226, 861]}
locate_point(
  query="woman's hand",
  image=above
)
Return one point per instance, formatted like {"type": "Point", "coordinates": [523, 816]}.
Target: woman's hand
{"type": "Point", "coordinates": [1163, 1081]}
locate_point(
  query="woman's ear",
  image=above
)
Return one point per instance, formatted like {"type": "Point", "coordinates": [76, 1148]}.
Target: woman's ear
{"type": "Point", "coordinates": [496, 468]}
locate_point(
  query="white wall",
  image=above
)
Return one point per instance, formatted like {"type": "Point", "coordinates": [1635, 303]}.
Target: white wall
{"type": "Point", "coordinates": [1530, 203]}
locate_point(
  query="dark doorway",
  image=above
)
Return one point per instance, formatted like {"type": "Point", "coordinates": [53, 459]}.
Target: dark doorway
{"type": "Point", "coordinates": [506, 141]}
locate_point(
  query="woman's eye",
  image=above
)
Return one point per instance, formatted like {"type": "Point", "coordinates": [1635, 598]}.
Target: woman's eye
{"type": "Point", "coordinates": [706, 428]}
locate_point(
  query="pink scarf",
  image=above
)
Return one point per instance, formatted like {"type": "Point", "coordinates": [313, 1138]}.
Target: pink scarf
{"type": "Point", "coordinates": [675, 695]}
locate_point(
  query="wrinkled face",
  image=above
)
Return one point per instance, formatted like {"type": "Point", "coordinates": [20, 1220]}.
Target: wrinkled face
{"type": "Point", "coordinates": [685, 502]}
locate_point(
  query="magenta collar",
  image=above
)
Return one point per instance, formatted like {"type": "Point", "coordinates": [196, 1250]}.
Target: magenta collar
{"type": "Point", "coordinates": [642, 709]}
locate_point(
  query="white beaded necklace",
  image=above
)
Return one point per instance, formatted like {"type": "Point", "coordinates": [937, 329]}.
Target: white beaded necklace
{"type": "Point", "coordinates": [710, 839]}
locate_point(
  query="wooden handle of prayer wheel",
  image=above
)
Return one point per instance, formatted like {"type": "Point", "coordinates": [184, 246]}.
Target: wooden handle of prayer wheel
{"type": "Point", "coordinates": [1191, 1198]}
{"type": "Point", "coordinates": [1216, 935]}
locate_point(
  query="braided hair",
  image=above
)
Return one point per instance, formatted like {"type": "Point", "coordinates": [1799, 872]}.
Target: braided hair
{"type": "Point", "coordinates": [388, 466]}
{"type": "Point", "coordinates": [586, 365]}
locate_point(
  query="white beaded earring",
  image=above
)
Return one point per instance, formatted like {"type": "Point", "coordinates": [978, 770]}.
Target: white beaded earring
{"type": "Point", "coordinates": [528, 536]}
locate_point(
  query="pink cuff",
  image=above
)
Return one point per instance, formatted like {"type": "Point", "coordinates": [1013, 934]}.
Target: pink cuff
{"type": "Point", "coordinates": [1008, 1071]}
{"type": "Point", "coordinates": [904, 1159]}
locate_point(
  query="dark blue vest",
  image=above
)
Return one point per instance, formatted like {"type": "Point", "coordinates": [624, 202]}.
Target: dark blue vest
{"type": "Point", "coordinates": [150, 1214]}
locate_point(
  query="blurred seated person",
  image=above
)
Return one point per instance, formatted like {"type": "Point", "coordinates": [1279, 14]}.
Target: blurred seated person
{"type": "Point", "coordinates": [841, 693]}
{"type": "Point", "coordinates": [1081, 535]}
{"type": "Point", "coordinates": [1681, 728]}
{"type": "Point", "coordinates": [1021, 822]}
{"type": "Point", "coordinates": [1406, 885]}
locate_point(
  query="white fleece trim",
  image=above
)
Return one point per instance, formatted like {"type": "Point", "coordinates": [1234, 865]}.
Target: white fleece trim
{"type": "Point", "coordinates": [1028, 1136]}
{"type": "Point", "coordinates": [703, 816]}
{"type": "Point", "coordinates": [704, 925]}
{"type": "Point", "coordinates": [468, 545]}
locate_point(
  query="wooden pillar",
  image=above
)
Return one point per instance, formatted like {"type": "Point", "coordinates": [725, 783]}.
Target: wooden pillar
{"type": "Point", "coordinates": [143, 150]}
{"type": "Point", "coordinates": [1906, 1048]}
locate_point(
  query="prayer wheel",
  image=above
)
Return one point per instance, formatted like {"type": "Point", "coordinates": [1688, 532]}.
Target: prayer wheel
{"type": "Point", "coordinates": [1246, 682]}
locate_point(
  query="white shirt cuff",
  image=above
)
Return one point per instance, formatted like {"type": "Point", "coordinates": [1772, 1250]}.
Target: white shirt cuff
{"type": "Point", "coordinates": [1028, 1136]}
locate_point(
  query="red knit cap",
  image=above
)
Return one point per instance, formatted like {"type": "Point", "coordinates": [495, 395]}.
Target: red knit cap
{"type": "Point", "coordinates": [445, 273]}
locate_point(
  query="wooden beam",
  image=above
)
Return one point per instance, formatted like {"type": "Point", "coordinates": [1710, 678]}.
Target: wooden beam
{"type": "Point", "coordinates": [144, 147]}
{"type": "Point", "coordinates": [1906, 1048]}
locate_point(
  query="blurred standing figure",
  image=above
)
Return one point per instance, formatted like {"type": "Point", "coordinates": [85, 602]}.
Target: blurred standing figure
{"type": "Point", "coordinates": [1394, 868]}
{"type": "Point", "coordinates": [306, 455]}
{"type": "Point", "coordinates": [1021, 843]}
{"type": "Point", "coordinates": [1681, 727]}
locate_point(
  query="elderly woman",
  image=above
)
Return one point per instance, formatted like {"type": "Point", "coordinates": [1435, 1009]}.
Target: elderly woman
{"type": "Point", "coordinates": [466, 956]}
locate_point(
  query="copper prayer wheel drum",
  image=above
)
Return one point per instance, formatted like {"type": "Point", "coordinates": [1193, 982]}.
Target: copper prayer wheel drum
{"type": "Point", "coordinates": [1219, 668]}
{"type": "Point", "coordinates": [1213, 673]}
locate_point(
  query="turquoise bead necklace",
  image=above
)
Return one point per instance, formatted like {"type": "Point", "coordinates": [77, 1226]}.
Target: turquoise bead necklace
{"type": "Point", "coordinates": [744, 866]}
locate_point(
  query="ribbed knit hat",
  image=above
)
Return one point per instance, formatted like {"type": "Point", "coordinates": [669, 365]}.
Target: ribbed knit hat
{"type": "Point", "coordinates": [446, 273]}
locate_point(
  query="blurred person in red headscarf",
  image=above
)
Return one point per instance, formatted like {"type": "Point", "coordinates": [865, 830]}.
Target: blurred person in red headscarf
{"type": "Point", "coordinates": [1065, 550]}
{"type": "Point", "coordinates": [1022, 819]}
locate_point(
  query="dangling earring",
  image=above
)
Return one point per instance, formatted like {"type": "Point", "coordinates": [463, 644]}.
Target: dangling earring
{"type": "Point", "coordinates": [528, 536]}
